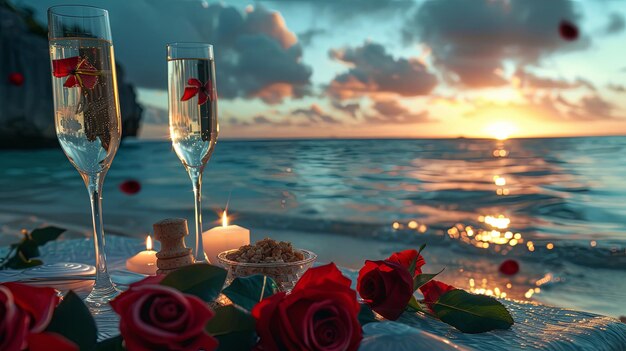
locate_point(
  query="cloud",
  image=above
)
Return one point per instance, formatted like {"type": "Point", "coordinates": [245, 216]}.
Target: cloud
{"type": "Point", "coordinates": [315, 114]}
{"type": "Point", "coordinates": [306, 38]}
{"type": "Point", "coordinates": [616, 24]}
{"type": "Point", "coordinates": [617, 88]}
{"type": "Point", "coordinates": [256, 54]}
{"type": "Point", "coordinates": [375, 71]}
{"type": "Point", "coordinates": [593, 108]}
{"type": "Point", "coordinates": [349, 10]}
{"type": "Point", "coordinates": [263, 69]}
{"type": "Point", "coordinates": [530, 80]}
{"type": "Point", "coordinates": [472, 39]}
{"type": "Point", "coordinates": [391, 112]}
{"type": "Point", "coordinates": [350, 109]}
{"type": "Point", "coordinates": [261, 120]}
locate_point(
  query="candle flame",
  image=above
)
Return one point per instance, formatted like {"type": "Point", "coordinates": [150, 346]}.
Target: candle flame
{"type": "Point", "coordinates": [224, 219]}
{"type": "Point", "coordinates": [148, 243]}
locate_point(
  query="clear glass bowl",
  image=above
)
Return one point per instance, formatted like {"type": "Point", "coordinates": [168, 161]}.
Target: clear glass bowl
{"type": "Point", "coordinates": [285, 274]}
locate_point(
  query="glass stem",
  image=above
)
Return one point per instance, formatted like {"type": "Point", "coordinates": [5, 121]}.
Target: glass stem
{"type": "Point", "coordinates": [103, 288]}
{"type": "Point", "coordinates": [195, 173]}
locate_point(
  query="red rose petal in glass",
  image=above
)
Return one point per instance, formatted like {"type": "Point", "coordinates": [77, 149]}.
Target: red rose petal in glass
{"type": "Point", "coordinates": [568, 30]}
{"type": "Point", "coordinates": [509, 267]}
{"type": "Point", "coordinates": [130, 187]}
{"type": "Point", "coordinates": [16, 79]}
{"type": "Point", "coordinates": [64, 67]}
{"type": "Point", "coordinates": [71, 81]}
{"type": "Point", "coordinates": [189, 93]}
{"type": "Point", "coordinates": [89, 81]}
{"type": "Point", "coordinates": [195, 82]}
{"type": "Point", "coordinates": [202, 97]}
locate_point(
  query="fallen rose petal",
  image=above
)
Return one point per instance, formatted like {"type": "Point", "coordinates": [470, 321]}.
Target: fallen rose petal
{"type": "Point", "coordinates": [568, 30]}
{"type": "Point", "coordinates": [130, 187]}
{"type": "Point", "coordinates": [509, 267]}
{"type": "Point", "coordinates": [16, 79]}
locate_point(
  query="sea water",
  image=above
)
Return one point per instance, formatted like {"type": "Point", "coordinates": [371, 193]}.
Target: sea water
{"type": "Point", "coordinates": [556, 206]}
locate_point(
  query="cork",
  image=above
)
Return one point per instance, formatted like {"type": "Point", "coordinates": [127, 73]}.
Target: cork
{"type": "Point", "coordinates": [171, 233]}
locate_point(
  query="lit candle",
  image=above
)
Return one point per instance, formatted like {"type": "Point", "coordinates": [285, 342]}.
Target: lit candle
{"type": "Point", "coordinates": [225, 237]}
{"type": "Point", "coordinates": [145, 261]}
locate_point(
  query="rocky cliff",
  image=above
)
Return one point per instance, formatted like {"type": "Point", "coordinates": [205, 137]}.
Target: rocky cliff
{"type": "Point", "coordinates": [26, 107]}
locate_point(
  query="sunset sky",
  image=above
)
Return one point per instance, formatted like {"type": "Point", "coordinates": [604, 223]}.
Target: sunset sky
{"type": "Point", "coordinates": [382, 68]}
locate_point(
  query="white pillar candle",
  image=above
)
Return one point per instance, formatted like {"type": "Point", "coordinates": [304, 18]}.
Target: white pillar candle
{"type": "Point", "coordinates": [222, 238]}
{"type": "Point", "coordinates": [145, 261]}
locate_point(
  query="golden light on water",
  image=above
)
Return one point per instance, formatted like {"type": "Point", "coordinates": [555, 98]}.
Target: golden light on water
{"type": "Point", "coordinates": [485, 237]}
{"type": "Point", "coordinates": [484, 288]}
{"type": "Point", "coordinates": [499, 181]}
{"type": "Point", "coordinates": [500, 221]}
{"type": "Point", "coordinates": [500, 153]}
{"type": "Point", "coordinates": [501, 130]}
{"type": "Point", "coordinates": [413, 225]}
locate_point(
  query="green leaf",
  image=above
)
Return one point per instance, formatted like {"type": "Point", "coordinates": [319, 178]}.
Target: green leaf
{"type": "Point", "coordinates": [73, 320]}
{"type": "Point", "coordinates": [414, 305]}
{"type": "Point", "coordinates": [413, 265]}
{"type": "Point", "coordinates": [43, 235]}
{"type": "Point", "coordinates": [248, 291]}
{"type": "Point", "coordinates": [111, 344]}
{"type": "Point", "coordinates": [419, 252]}
{"type": "Point", "coordinates": [29, 248]}
{"type": "Point", "coordinates": [233, 327]}
{"type": "Point", "coordinates": [471, 313]}
{"type": "Point", "coordinates": [420, 280]}
{"type": "Point", "coordinates": [19, 261]}
{"type": "Point", "coordinates": [202, 280]}
{"type": "Point", "coordinates": [366, 315]}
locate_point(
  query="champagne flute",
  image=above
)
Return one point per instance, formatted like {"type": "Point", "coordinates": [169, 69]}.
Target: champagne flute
{"type": "Point", "coordinates": [86, 113]}
{"type": "Point", "coordinates": [193, 116]}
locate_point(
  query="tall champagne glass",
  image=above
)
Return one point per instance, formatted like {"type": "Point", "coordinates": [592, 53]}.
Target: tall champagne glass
{"type": "Point", "coordinates": [193, 116]}
{"type": "Point", "coordinates": [86, 113]}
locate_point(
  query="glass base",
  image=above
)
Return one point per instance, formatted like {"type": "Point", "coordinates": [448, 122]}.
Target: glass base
{"type": "Point", "coordinates": [98, 300]}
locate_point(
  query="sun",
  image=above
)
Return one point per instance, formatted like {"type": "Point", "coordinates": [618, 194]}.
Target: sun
{"type": "Point", "coordinates": [501, 130]}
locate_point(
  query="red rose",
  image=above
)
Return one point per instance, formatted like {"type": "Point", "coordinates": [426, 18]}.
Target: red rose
{"type": "Point", "coordinates": [386, 287]}
{"type": "Point", "coordinates": [157, 317]}
{"type": "Point", "coordinates": [25, 311]}
{"type": "Point", "coordinates": [405, 258]}
{"type": "Point", "coordinates": [319, 314]}
{"type": "Point", "coordinates": [50, 341]}
{"type": "Point", "coordinates": [433, 290]}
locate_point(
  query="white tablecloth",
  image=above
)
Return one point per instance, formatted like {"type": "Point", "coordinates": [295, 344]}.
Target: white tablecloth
{"type": "Point", "coordinates": [537, 327]}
